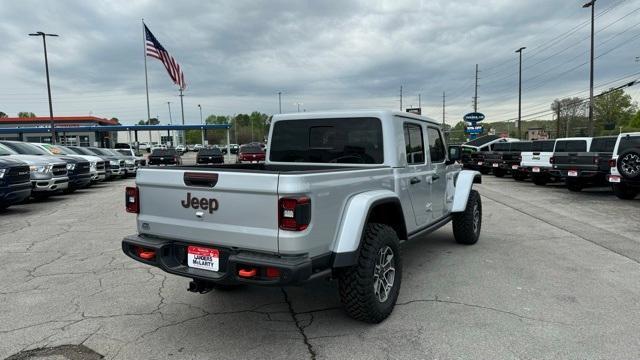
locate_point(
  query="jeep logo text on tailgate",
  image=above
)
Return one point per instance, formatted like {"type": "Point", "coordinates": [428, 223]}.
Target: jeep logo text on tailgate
{"type": "Point", "coordinates": [200, 203]}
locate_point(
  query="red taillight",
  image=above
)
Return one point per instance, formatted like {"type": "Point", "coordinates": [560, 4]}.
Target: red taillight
{"type": "Point", "coordinates": [273, 272]}
{"type": "Point", "coordinates": [132, 200]}
{"type": "Point", "coordinates": [146, 254]}
{"type": "Point", "coordinates": [294, 214]}
{"type": "Point", "coordinates": [612, 163]}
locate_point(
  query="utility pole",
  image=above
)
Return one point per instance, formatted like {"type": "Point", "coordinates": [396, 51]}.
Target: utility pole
{"type": "Point", "coordinates": [46, 68]}
{"type": "Point", "coordinates": [592, 5]}
{"type": "Point", "coordinates": [520, 93]}
{"type": "Point", "coordinates": [279, 102]}
{"type": "Point", "coordinates": [420, 103]}
{"type": "Point", "coordinates": [443, 107]}
{"type": "Point", "coordinates": [184, 140]}
{"type": "Point", "coordinates": [400, 97]}
{"type": "Point", "coordinates": [475, 97]}
{"type": "Point", "coordinates": [170, 121]}
{"type": "Point", "coordinates": [201, 123]}
{"type": "Point", "coordinates": [558, 121]}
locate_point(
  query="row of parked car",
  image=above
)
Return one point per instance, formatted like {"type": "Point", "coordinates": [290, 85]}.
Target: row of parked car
{"type": "Point", "coordinates": [39, 170]}
{"type": "Point", "coordinates": [579, 162]}
{"type": "Point", "coordinates": [253, 152]}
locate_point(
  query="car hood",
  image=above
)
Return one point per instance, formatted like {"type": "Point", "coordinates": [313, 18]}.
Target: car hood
{"type": "Point", "coordinates": [10, 161]}
{"type": "Point", "coordinates": [90, 158]}
{"type": "Point", "coordinates": [38, 159]}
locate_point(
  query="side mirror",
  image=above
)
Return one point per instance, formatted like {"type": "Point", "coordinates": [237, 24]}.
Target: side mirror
{"type": "Point", "coordinates": [455, 153]}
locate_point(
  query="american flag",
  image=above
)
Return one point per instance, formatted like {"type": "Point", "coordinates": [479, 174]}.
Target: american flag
{"type": "Point", "coordinates": [156, 50]}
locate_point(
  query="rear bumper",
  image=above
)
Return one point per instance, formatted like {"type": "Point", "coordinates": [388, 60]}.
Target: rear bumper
{"type": "Point", "coordinates": [171, 256]}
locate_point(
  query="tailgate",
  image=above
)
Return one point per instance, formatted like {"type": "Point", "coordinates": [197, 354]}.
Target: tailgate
{"type": "Point", "coordinates": [539, 159]}
{"type": "Point", "coordinates": [575, 160]}
{"type": "Point", "coordinates": [239, 210]}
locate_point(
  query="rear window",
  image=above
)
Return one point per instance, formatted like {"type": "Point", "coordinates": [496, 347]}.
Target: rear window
{"type": "Point", "coordinates": [348, 140]}
{"type": "Point", "coordinates": [603, 144]}
{"type": "Point", "coordinates": [521, 146]}
{"type": "Point", "coordinates": [628, 142]}
{"type": "Point", "coordinates": [213, 151]}
{"type": "Point", "coordinates": [543, 145]}
{"type": "Point", "coordinates": [571, 145]}
{"type": "Point", "coordinates": [163, 152]}
{"type": "Point", "coordinates": [251, 149]}
{"type": "Point", "coordinates": [501, 147]}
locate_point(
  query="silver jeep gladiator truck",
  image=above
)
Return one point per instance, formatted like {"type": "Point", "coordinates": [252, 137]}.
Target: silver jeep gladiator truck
{"type": "Point", "coordinates": [336, 195]}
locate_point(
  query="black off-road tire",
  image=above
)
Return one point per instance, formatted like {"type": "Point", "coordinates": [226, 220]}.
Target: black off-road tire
{"type": "Point", "coordinates": [574, 185]}
{"type": "Point", "coordinates": [467, 224]}
{"type": "Point", "coordinates": [499, 173]}
{"type": "Point", "coordinates": [625, 192]}
{"type": "Point", "coordinates": [356, 283]}
{"type": "Point", "coordinates": [540, 180]}
{"type": "Point", "coordinates": [628, 164]}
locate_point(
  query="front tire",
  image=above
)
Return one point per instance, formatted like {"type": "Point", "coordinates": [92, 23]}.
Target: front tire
{"type": "Point", "coordinates": [467, 224]}
{"type": "Point", "coordinates": [369, 289]}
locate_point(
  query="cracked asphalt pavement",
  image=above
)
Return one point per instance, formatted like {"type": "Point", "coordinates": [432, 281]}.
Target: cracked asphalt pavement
{"type": "Point", "coordinates": [554, 275]}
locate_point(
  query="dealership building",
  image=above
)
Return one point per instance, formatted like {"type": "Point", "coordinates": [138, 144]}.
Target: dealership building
{"type": "Point", "coordinates": [64, 126]}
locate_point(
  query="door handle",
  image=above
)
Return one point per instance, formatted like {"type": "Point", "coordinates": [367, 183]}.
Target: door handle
{"type": "Point", "coordinates": [414, 180]}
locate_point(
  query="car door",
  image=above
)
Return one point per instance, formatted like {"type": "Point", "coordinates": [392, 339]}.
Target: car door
{"type": "Point", "coordinates": [416, 176]}
{"type": "Point", "coordinates": [438, 168]}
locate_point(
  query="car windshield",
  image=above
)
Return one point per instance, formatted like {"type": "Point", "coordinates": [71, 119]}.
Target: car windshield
{"type": "Point", "coordinates": [6, 151]}
{"type": "Point", "coordinates": [124, 152]}
{"type": "Point", "coordinates": [80, 151]}
{"type": "Point", "coordinates": [349, 140]}
{"type": "Point", "coordinates": [24, 148]}
{"type": "Point", "coordinates": [97, 151]}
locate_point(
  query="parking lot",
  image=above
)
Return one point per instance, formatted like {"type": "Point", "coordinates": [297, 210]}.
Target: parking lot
{"type": "Point", "coordinates": [555, 274]}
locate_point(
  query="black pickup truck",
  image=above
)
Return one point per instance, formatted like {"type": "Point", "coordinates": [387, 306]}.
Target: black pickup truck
{"type": "Point", "coordinates": [210, 156]}
{"type": "Point", "coordinates": [582, 169]}
{"type": "Point", "coordinates": [15, 180]}
{"type": "Point", "coordinates": [505, 158]}
{"type": "Point", "coordinates": [164, 157]}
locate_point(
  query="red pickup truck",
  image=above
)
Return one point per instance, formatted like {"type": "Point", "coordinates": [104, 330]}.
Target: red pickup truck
{"type": "Point", "coordinates": [251, 153]}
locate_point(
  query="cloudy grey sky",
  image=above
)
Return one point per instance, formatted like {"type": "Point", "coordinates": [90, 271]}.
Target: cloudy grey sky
{"type": "Point", "coordinates": [237, 55]}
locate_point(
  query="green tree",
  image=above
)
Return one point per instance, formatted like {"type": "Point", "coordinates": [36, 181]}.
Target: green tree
{"type": "Point", "coordinates": [614, 108]}
{"type": "Point", "coordinates": [634, 123]}
{"type": "Point", "coordinates": [26, 114]}
{"type": "Point", "coordinates": [573, 112]}
{"type": "Point", "coordinates": [3, 115]}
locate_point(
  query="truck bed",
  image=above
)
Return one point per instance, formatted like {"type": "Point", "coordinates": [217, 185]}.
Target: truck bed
{"type": "Point", "coordinates": [270, 168]}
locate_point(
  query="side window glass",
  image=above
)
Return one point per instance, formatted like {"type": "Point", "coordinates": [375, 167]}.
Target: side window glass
{"type": "Point", "coordinates": [414, 143]}
{"type": "Point", "coordinates": [436, 146]}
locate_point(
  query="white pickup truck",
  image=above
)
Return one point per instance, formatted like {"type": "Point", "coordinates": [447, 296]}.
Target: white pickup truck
{"type": "Point", "coordinates": [337, 194]}
{"type": "Point", "coordinates": [537, 163]}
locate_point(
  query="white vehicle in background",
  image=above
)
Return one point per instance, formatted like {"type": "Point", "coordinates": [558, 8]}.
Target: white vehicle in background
{"type": "Point", "coordinates": [158, 147]}
{"type": "Point", "coordinates": [181, 149]}
{"type": "Point", "coordinates": [197, 147]}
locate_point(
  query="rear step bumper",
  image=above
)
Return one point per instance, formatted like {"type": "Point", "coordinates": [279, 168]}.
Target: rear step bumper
{"type": "Point", "coordinates": [171, 256]}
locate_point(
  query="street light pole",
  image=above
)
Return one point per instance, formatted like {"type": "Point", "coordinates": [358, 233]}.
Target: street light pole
{"type": "Point", "coordinates": [46, 67]}
{"type": "Point", "coordinates": [519, 51]}
{"type": "Point", "coordinates": [279, 102]}
{"type": "Point", "coordinates": [201, 123]}
{"type": "Point", "coordinates": [592, 5]}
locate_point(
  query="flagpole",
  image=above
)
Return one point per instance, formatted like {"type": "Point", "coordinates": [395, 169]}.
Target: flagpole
{"type": "Point", "coordinates": [146, 77]}
{"type": "Point", "coordinates": [184, 139]}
